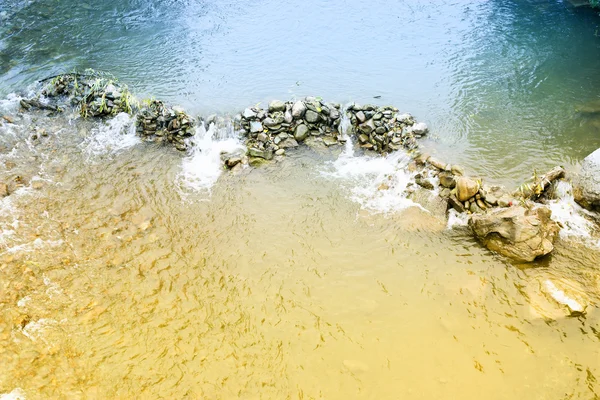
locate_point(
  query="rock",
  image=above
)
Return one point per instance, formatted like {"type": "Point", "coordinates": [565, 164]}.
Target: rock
{"type": "Point", "coordinates": [8, 119]}
{"type": "Point", "coordinates": [255, 127]}
{"type": "Point", "coordinates": [516, 232]}
{"type": "Point", "coordinates": [262, 137]}
{"type": "Point", "coordinates": [287, 143]}
{"type": "Point", "coordinates": [424, 182]}
{"type": "Point", "coordinates": [232, 162]}
{"type": "Point", "coordinates": [362, 138]}
{"type": "Point", "coordinates": [280, 152]}
{"type": "Point", "coordinates": [301, 132]}
{"type": "Point", "coordinates": [3, 190]}
{"type": "Point", "coordinates": [276, 105]}
{"type": "Point", "coordinates": [406, 118]}
{"type": "Point", "coordinates": [367, 127]}
{"type": "Point", "coordinates": [330, 141]}
{"type": "Point", "coordinates": [505, 201]}
{"type": "Point", "coordinates": [360, 117]}
{"type": "Point", "coordinates": [457, 170]}
{"type": "Point", "coordinates": [420, 128]}
{"type": "Point", "coordinates": [457, 205]}
{"type": "Point", "coordinates": [311, 116]}
{"type": "Point", "coordinates": [586, 187]}
{"type": "Point", "coordinates": [437, 163]}
{"type": "Point", "coordinates": [466, 188]}
{"type": "Point", "coordinates": [298, 109]}
{"type": "Point", "coordinates": [266, 154]}
{"type": "Point", "coordinates": [287, 117]}
{"type": "Point", "coordinates": [491, 198]}
{"type": "Point", "coordinates": [447, 179]}
{"type": "Point", "coordinates": [430, 201]}
{"type": "Point", "coordinates": [334, 113]}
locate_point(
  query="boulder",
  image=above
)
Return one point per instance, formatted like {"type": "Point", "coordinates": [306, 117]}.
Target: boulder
{"type": "Point", "coordinates": [276, 105]}
{"type": "Point", "coordinates": [311, 116]}
{"type": "Point", "coordinates": [367, 127]}
{"type": "Point", "coordinates": [586, 187]}
{"type": "Point", "coordinates": [301, 132]}
{"type": "Point", "coordinates": [517, 232]}
{"type": "Point", "coordinates": [298, 109]}
{"type": "Point", "coordinates": [420, 128]}
{"type": "Point", "coordinates": [266, 154]}
{"type": "Point", "coordinates": [466, 188]}
{"type": "Point", "coordinates": [289, 142]}
{"type": "Point", "coordinates": [447, 179]}
{"type": "Point", "coordinates": [255, 127]}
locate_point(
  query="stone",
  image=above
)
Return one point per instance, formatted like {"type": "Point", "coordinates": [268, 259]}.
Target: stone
{"type": "Point", "coordinates": [457, 170]}
{"type": "Point", "coordinates": [367, 127]}
{"type": "Point", "coordinates": [505, 201]}
{"type": "Point", "coordinates": [334, 113]}
{"type": "Point", "coordinates": [266, 154]}
{"type": "Point", "coordinates": [287, 143]}
{"type": "Point", "coordinates": [437, 163]}
{"type": "Point", "coordinates": [276, 105]}
{"type": "Point", "coordinates": [424, 182]}
{"type": "Point", "coordinates": [262, 137]}
{"type": "Point", "coordinates": [298, 109]}
{"type": "Point", "coordinates": [586, 187]}
{"type": "Point", "coordinates": [301, 132]}
{"type": "Point", "coordinates": [447, 179]}
{"type": "Point", "coordinates": [256, 126]}
{"type": "Point", "coordinates": [517, 232]}
{"type": "Point", "coordinates": [287, 117]}
{"type": "Point", "coordinates": [360, 117]}
{"type": "Point", "coordinates": [280, 152]}
{"type": "Point", "coordinates": [474, 208]}
{"type": "Point", "coordinates": [457, 205]}
{"type": "Point", "coordinates": [466, 188]}
{"type": "Point", "coordinates": [420, 128]}
{"type": "Point", "coordinates": [433, 203]}
{"type": "Point", "coordinates": [3, 190]}
{"type": "Point", "coordinates": [330, 141]}
{"type": "Point", "coordinates": [311, 116]}
{"type": "Point", "coordinates": [491, 198]}
{"type": "Point", "coordinates": [380, 130]}
{"type": "Point", "coordinates": [362, 138]}
{"type": "Point", "coordinates": [232, 162]}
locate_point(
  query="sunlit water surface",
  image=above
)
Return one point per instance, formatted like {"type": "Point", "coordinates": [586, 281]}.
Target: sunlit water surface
{"type": "Point", "coordinates": [128, 269]}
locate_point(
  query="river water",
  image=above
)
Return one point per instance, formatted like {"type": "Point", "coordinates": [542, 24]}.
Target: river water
{"type": "Point", "coordinates": [131, 270]}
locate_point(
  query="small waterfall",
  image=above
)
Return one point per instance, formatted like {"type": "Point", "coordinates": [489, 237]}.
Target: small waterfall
{"type": "Point", "coordinates": [112, 137]}
{"type": "Point", "coordinates": [573, 218]}
{"type": "Point", "coordinates": [203, 166]}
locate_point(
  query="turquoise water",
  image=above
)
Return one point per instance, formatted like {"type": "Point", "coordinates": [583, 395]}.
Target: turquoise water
{"type": "Point", "coordinates": [498, 81]}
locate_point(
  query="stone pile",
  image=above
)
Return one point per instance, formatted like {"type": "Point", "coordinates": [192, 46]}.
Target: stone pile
{"type": "Point", "coordinates": [96, 95]}
{"type": "Point", "coordinates": [382, 129]}
{"type": "Point", "coordinates": [158, 122]}
{"type": "Point", "coordinates": [286, 124]}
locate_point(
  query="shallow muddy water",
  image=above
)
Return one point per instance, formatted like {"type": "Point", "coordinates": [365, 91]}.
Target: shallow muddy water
{"type": "Point", "coordinates": [132, 270]}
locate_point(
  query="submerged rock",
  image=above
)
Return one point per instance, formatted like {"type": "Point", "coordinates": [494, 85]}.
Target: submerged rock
{"type": "Point", "coordinates": [586, 188]}
{"type": "Point", "coordinates": [517, 232]}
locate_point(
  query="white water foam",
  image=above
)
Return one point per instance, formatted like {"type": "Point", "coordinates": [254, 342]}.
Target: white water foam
{"type": "Point", "coordinates": [16, 394]}
{"type": "Point", "coordinates": [456, 219]}
{"type": "Point", "coordinates": [202, 168]}
{"type": "Point", "coordinates": [573, 218]}
{"type": "Point", "coordinates": [378, 184]}
{"type": "Point", "coordinates": [112, 137]}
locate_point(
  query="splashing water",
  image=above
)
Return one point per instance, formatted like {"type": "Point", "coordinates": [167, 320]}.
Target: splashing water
{"type": "Point", "coordinates": [570, 215]}
{"type": "Point", "coordinates": [113, 137]}
{"type": "Point", "coordinates": [377, 183]}
{"type": "Point", "coordinates": [202, 168]}
{"type": "Point", "coordinates": [16, 394]}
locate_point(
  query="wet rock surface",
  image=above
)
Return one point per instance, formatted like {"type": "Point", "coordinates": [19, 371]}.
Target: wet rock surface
{"type": "Point", "coordinates": [587, 185]}
{"type": "Point", "coordinates": [517, 232]}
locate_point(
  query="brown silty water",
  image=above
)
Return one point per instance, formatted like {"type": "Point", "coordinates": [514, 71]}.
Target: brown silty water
{"type": "Point", "coordinates": [119, 281]}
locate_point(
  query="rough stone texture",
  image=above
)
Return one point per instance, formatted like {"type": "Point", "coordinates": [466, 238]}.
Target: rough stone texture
{"type": "Point", "coordinates": [301, 132]}
{"type": "Point", "coordinates": [447, 180]}
{"type": "Point", "coordinates": [516, 232]}
{"type": "Point", "coordinates": [466, 188]}
{"type": "Point", "coordinates": [266, 154]}
{"type": "Point", "coordinates": [298, 109]}
{"type": "Point", "coordinates": [3, 190]}
{"type": "Point", "coordinates": [276, 105]}
{"type": "Point", "coordinates": [420, 128]}
{"type": "Point", "coordinates": [586, 188]}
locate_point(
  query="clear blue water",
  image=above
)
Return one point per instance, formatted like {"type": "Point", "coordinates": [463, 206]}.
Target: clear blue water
{"type": "Point", "coordinates": [499, 82]}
